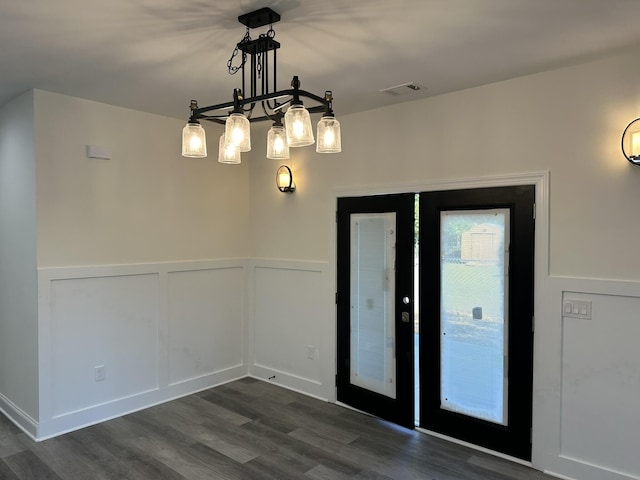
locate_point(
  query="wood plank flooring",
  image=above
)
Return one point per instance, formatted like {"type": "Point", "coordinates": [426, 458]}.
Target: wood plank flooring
{"type": "Point", "coordinates": [247, 429]}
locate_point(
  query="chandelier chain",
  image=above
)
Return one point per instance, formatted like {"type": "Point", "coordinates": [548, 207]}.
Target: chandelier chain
{"type": "Point", "coordinates": [232, 68]}
{"type": "Point", "coordinates": [259, 64]}
{"type": "Point", "coordinates": [271, 33]}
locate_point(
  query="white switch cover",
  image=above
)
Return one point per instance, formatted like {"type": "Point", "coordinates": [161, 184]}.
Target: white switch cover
{"type": "Point", "coordinates": [99, 373]}
{"type": "Point", "coordinates": [575, 308]}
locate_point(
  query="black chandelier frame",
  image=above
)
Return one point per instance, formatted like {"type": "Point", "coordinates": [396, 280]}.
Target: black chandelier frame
{"type": "Point", "coordinates": [257, 50]}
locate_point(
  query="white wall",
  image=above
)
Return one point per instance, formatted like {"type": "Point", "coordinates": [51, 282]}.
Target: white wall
{"type": "Point", "coordinates": [287, 333]}
{"type": "Point", "coordinates": [146, 204]}
{"type": "Point", "coordinates": [565, 122]}
{"type": "Point", "coordinates": [599, 377]}
{"type": "Point", "coordinates": [142, 263]}
{"type": "Point", "coordinates": [18, 281]}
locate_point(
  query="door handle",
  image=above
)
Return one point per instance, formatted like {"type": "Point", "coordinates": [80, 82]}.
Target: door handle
{"type": "Point", "coordinates": [406, 318]}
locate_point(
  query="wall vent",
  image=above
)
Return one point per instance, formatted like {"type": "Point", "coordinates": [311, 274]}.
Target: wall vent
{"type": "Point", "coordinates": [402, 89]}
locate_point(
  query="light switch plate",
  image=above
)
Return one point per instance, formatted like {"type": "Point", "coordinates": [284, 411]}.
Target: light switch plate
{"type": "Point", "coordinates": [575, 308]}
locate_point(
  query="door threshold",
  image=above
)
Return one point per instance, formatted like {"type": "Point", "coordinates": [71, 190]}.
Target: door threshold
{"type": "Point", "coordinates": [446, 438]}
{"type": "Point", "coordinates": [349, 407]}
{"type": "Point", "coordinates": [475, 447]}
{"type": "Point", "coordinates": [390, 423]}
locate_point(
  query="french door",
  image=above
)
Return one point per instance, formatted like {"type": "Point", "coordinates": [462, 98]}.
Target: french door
{"type": "Point", "coordinates": [375, 305]}
{"type": "Point", "coordinates": [475, 315]}
{"type": "Point", "coordinates": [476, 297]}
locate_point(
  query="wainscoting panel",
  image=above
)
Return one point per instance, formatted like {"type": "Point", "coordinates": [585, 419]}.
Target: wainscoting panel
{"type": "Point", "coordinates": [107, 322]}
{"type": "Point", "coordinates": [155, 331]}
{"type": "Point", "coordinates": [292, 325]}
{"type": "Point", "coordinates": [205, 322]}
{"type": "Point", "coordinates": [601, 383]}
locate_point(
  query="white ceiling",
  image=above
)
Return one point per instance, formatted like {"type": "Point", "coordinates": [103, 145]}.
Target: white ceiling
{"type": "Point", "coordinates": [156, 55]}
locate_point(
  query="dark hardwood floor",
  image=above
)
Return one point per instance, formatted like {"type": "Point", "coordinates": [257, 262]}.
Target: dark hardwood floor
{"type": "Point", "coordinates": [247, 429]}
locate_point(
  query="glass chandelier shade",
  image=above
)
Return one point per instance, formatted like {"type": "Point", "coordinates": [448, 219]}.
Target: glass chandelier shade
{"type": "Point", "coordinates": [277, 146]}
{"type": "Point", "coordinates": [194, 143]}
{"type": "Point", "coordinates": [329, 140]}
{"type": "Point", "coordinates": [297, 124]}
{"type": "Point", "coordinates": [227, 153]}
{"type": "Point", "coordinates": [237, 132]}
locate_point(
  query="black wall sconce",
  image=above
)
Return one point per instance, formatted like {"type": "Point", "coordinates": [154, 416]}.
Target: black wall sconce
{"type": "Point", "coordinates": [631, 142]}
{"type": "Point", "coordinates": [284, 180]}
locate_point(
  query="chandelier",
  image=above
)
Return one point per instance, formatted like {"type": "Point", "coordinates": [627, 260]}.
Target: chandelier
{"type": "Point", "coordinates": [262, 102]}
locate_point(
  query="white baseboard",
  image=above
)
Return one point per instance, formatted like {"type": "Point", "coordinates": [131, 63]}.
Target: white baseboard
{"type": "Point", "coordinates": [298, 384]}
{"type": "Point", "coordinates": [21, 419]}
{"type": "Point", "coordinates": [577, 469]}
{"type": "Point", "coordinates": [100, 413]}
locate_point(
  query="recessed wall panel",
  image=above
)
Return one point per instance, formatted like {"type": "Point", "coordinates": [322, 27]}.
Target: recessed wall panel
{"type": "Point", "coordinates": [109, 322]}
{"type": "Point", "coordinates": [289, 321]}
{"type": "Point", "coordinates": [205, 322]}
{"type": "Point", "coordinates": [601, 383]}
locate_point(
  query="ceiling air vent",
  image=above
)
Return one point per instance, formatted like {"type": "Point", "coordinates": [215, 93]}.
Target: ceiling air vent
{"type": "Point", "coordinates": [402, 89]}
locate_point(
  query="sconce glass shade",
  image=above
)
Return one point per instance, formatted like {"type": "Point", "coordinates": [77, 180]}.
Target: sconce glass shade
{"type": "Point", "coordinates": [194, 142]}
{"type": "Point", "coordinates": [284, 180]}
{"type": "Point", "coordinates": [277, 146]}
{"type": "Point", "coordinates": [631, 142]}
{"type": "Point", "coordinates": [297, 123]}
{"type": "Point", "coordinates": [237, 132]}
{"type": "Point", "coordinates": [329, 140]}
{"type": "Point", "coordinates": [227, 153]}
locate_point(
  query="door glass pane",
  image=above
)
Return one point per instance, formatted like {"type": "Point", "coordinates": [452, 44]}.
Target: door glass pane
{"type": "Point", "coordinates": [473, 316]}
{"type": "Point", "coordinates": [373, 240]}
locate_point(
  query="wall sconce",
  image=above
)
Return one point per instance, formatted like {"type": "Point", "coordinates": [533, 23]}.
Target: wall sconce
{"type": "Point", "coordinates": [284, 180]}
{"type": "Point", "coordinates": [631, 142]}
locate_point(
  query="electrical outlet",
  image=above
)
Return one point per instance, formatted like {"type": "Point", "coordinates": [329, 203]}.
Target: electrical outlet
{"type": "Point", "coordinates": [311, 352]}
{"type": "Point", "coordinates": [99, 373]}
